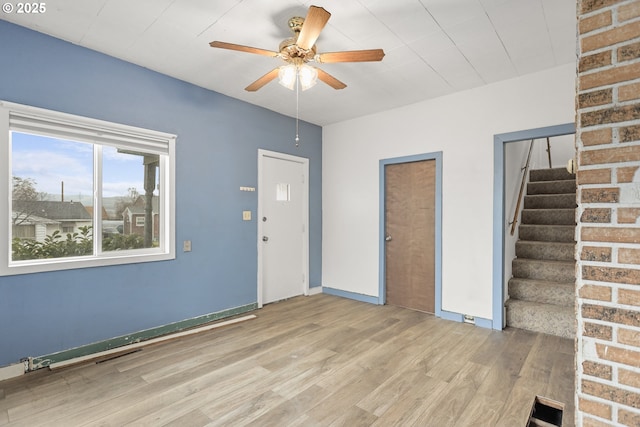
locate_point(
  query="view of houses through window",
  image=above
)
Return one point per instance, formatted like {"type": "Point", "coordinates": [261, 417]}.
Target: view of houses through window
{"type": "Point", "coordinates": [54, 212]}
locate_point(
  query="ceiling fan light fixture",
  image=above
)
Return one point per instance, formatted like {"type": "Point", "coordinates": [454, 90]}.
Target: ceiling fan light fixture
{"type": "Point", "coordinates": [308, 76]}
{"type": "Point", "coordinates": [287, 76]}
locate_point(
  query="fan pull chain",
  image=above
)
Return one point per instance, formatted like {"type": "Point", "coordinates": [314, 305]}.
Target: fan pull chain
{"type": "Point", "coordinates": [297, 109]}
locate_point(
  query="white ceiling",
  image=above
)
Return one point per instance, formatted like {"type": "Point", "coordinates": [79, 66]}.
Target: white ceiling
{"type": "Point", "coordinates": [433, 47]}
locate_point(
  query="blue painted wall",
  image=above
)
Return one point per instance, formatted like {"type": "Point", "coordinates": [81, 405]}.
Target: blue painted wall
{"type": "Point", "coordinates": [216, 153]}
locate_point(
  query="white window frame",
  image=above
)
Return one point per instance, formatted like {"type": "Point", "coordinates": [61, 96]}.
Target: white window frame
{"type": "Point", "coordinates": [44, 122]}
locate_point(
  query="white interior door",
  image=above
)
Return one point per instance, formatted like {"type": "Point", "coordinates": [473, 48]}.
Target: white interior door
{"type": "Point", "coordinates": [282, 230]}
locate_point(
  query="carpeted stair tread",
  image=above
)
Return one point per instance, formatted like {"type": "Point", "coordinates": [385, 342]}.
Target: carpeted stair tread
{"type": "Point", "coordinates": [550, 201]}
{"type": "Point", "coordinates": [553, 174]}
{"type": "Point", "coordinates": [547, 233]}
{"type": "Point", "coordinates": [554, 271]}
{"type": "Point", "coordinates": [542, 291]}
{"type": "Point", "coordinates": [559, 251]}
{"type": "Point", "coordinates": [549, 216]}
{"type": "Point", "coordinates": [551, 187]}
{"type": "Point", "coordinates": [545, 318]}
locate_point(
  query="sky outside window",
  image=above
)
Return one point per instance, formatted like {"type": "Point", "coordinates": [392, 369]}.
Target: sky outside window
{"type": "Point", "coordinates": [51, 161]}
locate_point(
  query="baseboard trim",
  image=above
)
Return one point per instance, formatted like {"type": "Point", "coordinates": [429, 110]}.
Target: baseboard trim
{"type": "Point", "coordinates": [315, 290]}
{"type": "Point", "coordinates": [446, 315]}
{"type": "Point", "coordinates": [350, 295]}
{"type": "Point", "coordinates": [11, 371]}
{"type": "Point", "coordinates": [450, 315]}
{"type": "Point", "coordinates": [145, 335]}
{"type": "Point", "coordinates": [119, 351]}
{"type": "Point", "coordinates": [457, 317]}
{"type": "Point", "coordinates": [484, 323]}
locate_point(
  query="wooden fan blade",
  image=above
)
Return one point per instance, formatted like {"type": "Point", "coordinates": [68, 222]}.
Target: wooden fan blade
{"type": "Point", "coordinates": [315, 21]}
{"type": "Point", "coordinates": [262, 80]}
{"type": "Point", "coordinates": [242, 48]}
{"type": "Point", "coordinates": [351, 56]}
{"type": "Point", "coordinates": [330, 80]}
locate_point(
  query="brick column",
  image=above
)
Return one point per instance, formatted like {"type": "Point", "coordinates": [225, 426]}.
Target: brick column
{"type": "Point", "coordinates": [608, 232]}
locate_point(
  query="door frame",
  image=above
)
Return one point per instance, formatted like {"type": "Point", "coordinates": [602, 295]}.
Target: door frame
{"type": "Point", "coordinates": [499, 214]}
{"type": "Point", "coordinates": [382, 290]}
{"type": "Point", "coordinates": [262, 154]}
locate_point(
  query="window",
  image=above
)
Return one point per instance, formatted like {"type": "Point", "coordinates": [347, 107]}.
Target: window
{"type": "Point", "coordinates": [74, 184]}
{"type": "Point", "coordinates": [283, 192]}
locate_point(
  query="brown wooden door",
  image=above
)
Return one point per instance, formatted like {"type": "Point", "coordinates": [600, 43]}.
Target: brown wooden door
{"type": "Point", "coordinates": [410, 190]}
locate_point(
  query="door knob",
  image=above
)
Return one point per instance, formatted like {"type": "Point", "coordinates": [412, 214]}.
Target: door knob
{"type": "Point", "coordinates": [387, 238]}
{"type": "Point", "coordinates": [265, 238]}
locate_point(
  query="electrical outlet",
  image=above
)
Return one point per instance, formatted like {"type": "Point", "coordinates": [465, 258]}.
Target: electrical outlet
{"type": "Point", "coordinates": [186, 246]}
{"type": "Point", "coordinates": [246, 215]}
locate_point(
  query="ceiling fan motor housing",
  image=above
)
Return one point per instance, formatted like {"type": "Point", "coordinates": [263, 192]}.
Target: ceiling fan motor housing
{"type": "Point", "coordinates": [295, 24]}
{"type": "Point", "coordinates": [289, 50]}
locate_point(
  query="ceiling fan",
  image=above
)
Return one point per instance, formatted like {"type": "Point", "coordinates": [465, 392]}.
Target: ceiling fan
{"type": "Point", "coordinates": [300, 49]}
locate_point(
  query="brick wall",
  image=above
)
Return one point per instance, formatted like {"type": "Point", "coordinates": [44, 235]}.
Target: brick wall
{"type": "Point", "coordinates": [608, 233]}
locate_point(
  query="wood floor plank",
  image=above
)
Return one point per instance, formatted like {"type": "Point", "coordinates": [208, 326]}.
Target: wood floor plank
{"type": "Point", "coordinates": [540, 359]}
{"type": "Point", "coordinates": [380, 361]}
{"type": "Point", "coordinates": [48, 406]}
{"type": "Point", "coordinates": [161, 408]}
{"type": "Point", "coordinates": [412, 404]}
{"type": "Point", "coordinates": [342, 399]}
{"type": "Point", "coordinates": [245, 409]}
{"type": "Point", "coordinates": [234, 397]}
{"type": "Point", "coordinates": [305, 421]}
{"type": "Point", "coordinates": [455, 397]}
{"type": "Point", "coordinates": [327, 368]}
{"type": "Point", "coordinates": [390, 392]}
{"type": "Point", "coordinates": [506, 368]}
{"type": "Point", "coordinates": [120, 406]}
{"type": "Point", "coordinates": [354, 417]}
{"type": "Point", "coordinates": [482, 411]}
{"type": "Point", "coordinates": [290, 409]}
{"type": "Point", "coordinates": [562, 383]}
{"type": "Point", "coordinates": [491, 348]}
{"type": "Point", "coordinates": [193, 419]}
{"type": "Point", "coordinates": [446, 364]}
{"type": "Point", "coordinates": [309, 361]}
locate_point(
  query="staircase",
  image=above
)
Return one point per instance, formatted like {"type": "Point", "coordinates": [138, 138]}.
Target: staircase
{"type": "Point", "coordinates": [542, 289]}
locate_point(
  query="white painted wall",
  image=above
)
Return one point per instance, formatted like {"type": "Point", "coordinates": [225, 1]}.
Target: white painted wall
{"type": "Point", "coordinates": [462, 126]}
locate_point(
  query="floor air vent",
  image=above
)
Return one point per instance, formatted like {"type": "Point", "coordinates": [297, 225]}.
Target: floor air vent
{"type": "Point", "coordinates": [545, 413]}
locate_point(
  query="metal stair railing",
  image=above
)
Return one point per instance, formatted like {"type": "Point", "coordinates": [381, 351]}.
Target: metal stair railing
{"type": "Point", "coordinates": [516, 214]}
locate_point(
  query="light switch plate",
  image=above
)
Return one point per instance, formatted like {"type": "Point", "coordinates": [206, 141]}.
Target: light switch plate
{"type": "Point", "coordinates": [246, 215]}
{"type": "Point", "coordinates": [186, 246]}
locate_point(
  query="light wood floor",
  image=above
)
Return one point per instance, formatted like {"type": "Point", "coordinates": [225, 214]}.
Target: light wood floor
{"type": "Point", "coordinates": [309, 361]}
